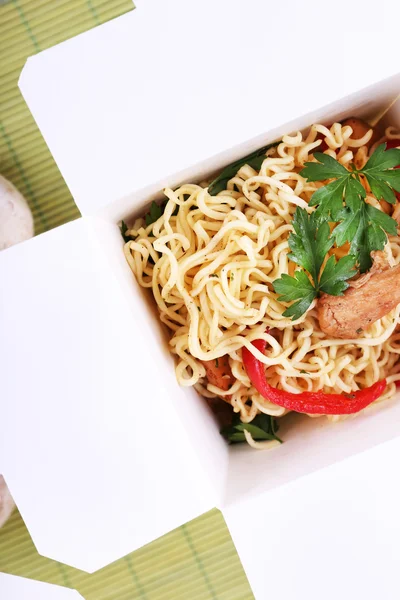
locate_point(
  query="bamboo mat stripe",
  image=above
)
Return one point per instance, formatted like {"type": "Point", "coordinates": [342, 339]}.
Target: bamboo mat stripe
{"type": "Point", "coordinates": [197, 561]}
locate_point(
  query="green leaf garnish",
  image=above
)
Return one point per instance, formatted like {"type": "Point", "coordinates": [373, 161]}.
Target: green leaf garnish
{"type": "Point", "coordinates": [309, 245]}
{"type": "Point", "coordinates": [255, 160]}
{"type": "Point", "coordinates": [333, 278]}
{"type": "Point", "coordinates": [379, 171]}
{"type": "Point", "coordinates": [343, 200]}
{"type": "Point", "coordinates": [297, 288]}
{"type": "Point", "coordinates": [326, 168]}
{"type": "Point", "coordinates": [262, 427]}
{"type": "Point", "coordinates": [124, 228]}
{"type": "Point", "coordinates": [155, 212]}
{"type": "Point", "coordinates": [365, 227]}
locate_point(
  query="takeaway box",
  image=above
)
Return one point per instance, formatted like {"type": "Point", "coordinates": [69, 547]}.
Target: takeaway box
{"type": "Point", "coordinates": [118, 452]}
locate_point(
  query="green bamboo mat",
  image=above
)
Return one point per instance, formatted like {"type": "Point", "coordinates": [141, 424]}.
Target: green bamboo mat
{"type": "Point", "coordinates": [197, 561]}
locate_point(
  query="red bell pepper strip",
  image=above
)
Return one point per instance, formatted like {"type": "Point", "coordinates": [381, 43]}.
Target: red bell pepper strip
{"type": "Point", "coordinates": [312, 403]}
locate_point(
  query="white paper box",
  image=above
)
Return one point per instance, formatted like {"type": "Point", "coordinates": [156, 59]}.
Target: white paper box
{"type": "Point", "coordinates": [120, 452]}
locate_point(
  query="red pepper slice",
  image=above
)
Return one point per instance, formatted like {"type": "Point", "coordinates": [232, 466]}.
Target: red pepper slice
{"type": "Point", "coordinates": [312, 403]}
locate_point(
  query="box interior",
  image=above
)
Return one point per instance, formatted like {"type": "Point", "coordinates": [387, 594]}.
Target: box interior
{"type": "Point", "coordinates": [310, 444]}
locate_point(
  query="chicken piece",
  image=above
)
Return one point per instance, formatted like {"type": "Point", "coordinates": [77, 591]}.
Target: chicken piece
{"type": "Point", "coordinates": [360, 128]}
{"type": "Point", "coordinates": [380, 263]}
{"type": "Point", "coordinates": [218, 372]}
{"type": "Point", "coordinates": [369, 298]}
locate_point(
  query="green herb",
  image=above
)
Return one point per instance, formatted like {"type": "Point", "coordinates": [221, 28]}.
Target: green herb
{"type": "Point", "coordinates": [124, 228]}
{"type": "Point", "coordinates": [309, 244]}
{"type": "Point", "coordinates": [216, 363]}
{"type": "Point", "coordinates": [213, 275]}
{"type": "Point", "coordinates": [232, 276]}
{"type": "Point", "coordinates": [379, 172]}
{"type": "Point", "coordinates": [155, 212]}
{"type": "Point", "coordinates": [365, 227]}
{"type": "Point", "coordinates": [262, 427]}
{"type": "Point", "coordinates": [255, 160]}
{"type": "Point", "coordinates": [303, 372]}
{"type": "Point", "coordinates": [359, 223]}
{"type": "Point", "coordinates": [359, 330]}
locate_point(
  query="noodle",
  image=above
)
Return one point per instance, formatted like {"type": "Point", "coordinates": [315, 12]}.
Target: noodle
{"type": "Point", "coordinates": [210, 262]}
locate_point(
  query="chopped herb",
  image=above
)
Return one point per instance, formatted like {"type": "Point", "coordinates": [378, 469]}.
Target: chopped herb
{"type": "Point", "coordinates": [309, 244]}
{"type": "Point", "coordinates": [124, 228]}
{"type": "Point", "coordinates": [262, 427]}
{"type": "Point", "coordinates": [155, 212]}
{"type": "Point", "coordinates": [232, 276]}
{"type": "Point", "coordinates": [217, 363]}
{"type": "Point", "coordinates": [303, 372]}
{"type": "Point", "coordinates": [343, 200]}
{"type": "Point", "coordinates": [199, 309]}
{"type": "Point", "coordinates": [359, 330]}
{"type": "Point", "coordinates": [213, 275]}
{"type": "Point", "coordinates": [365, 227]}
{"type": "Point", "coordinates": [255, 160]}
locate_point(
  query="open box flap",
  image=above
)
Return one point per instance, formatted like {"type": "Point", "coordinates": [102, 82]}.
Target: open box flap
{"type": "Point", "coordinates": [93, 449]}
{"type": "Point", "coordinates": [19, 588]}
{"type": "Point", "coordinates": [145, 96]}
{"type": "Point", "coordinates": [333, 534]}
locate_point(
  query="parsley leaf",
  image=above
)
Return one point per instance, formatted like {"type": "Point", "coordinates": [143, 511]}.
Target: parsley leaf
{"type": "Point", "coordinates": [255, 160]}
{"type": "Point", "coordinates": [333, 277]}
{"type": "Point", "coordinates": [326, 168]}
{"type": "Point", "coordinates": [262, 427]}
{"type": "Point", "coordinates": [379, 171]}
{"type": "Point", "coordinates": [381, 175]}
{"type": "Point", "coordinates": [124, 228]}
{"type": "Point", "coordinates": [297, 288]}
{"type": "Point", "coordinates": [343, 201]}
{"type": "Point", "coordinates": [329, 198]}
{"type": "Point", "coordinates": [364, 226]}
{"type": "Point", "coordinates": [310, 243]}
{"type": "Point", "coordinates": [155, 212]}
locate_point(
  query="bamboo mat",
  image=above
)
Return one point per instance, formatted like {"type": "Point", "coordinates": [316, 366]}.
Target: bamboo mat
{"type": "Point", "coordinates": [197, 561]}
